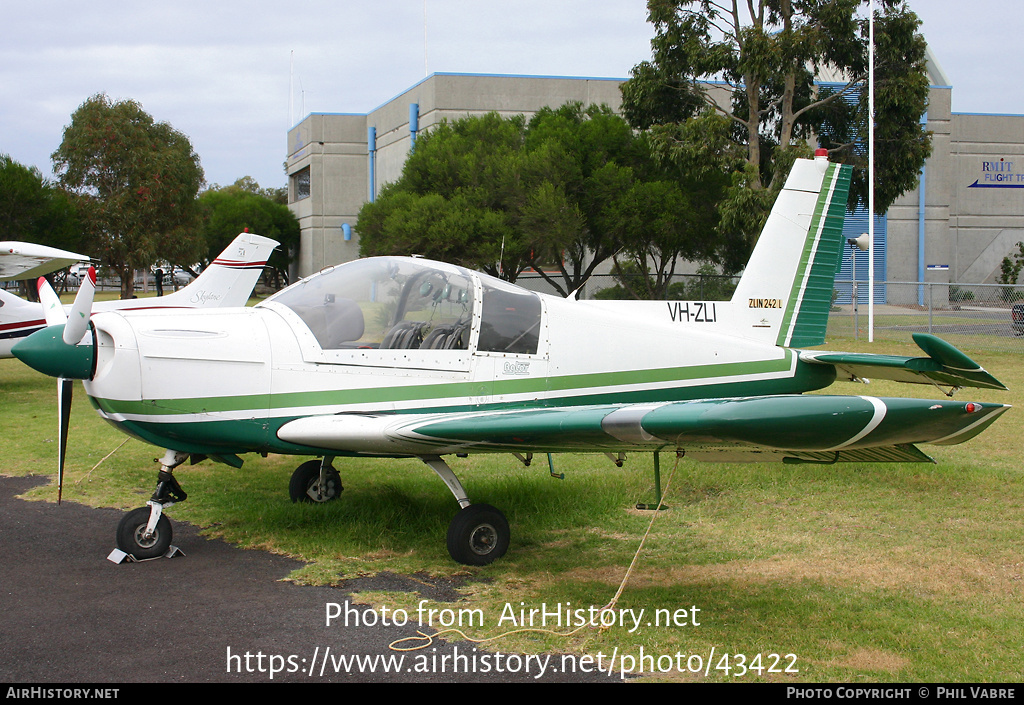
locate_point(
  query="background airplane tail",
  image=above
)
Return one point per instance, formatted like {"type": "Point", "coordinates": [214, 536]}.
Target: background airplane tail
{"type": "Point", "coordinates": [785, 293]}
{"type": "Point", "coordinates": [229, 279]}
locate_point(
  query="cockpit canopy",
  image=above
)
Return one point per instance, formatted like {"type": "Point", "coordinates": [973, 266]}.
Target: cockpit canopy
{"type": "Point", "coordinates": [392, 303]}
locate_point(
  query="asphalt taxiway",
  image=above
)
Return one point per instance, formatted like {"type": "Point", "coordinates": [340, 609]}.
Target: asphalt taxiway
{"type": "Point", "coordinates": [69, 615]}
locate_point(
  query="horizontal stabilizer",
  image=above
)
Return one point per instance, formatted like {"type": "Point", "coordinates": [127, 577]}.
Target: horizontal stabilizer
{"type": "Point", "coordinates": [944, 366]}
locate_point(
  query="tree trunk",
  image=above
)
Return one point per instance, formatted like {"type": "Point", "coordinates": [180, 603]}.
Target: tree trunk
{"type": "Point", "coordinates": [754, 132]}
{"type": "Point", "coordinates": [788, 91]}
{"type": "Point", "coordinates": [127, 283]}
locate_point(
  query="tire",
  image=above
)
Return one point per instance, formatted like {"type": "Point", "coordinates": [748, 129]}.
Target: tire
{"type": "Point", "coordinates": [478, 535]}
{"type": "Point", "coordinates": [302, 486]}
{"type": "Point", "coordinates": [131, 529]}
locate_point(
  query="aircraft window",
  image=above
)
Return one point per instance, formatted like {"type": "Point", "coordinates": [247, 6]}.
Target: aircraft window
{"type": "Point", "coordinates": [510, 321]}
{"type": "Point", "coordinates": [385, 303]}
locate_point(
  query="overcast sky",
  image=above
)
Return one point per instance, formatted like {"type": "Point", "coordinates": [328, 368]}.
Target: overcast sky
{"type": "Point", "coordinates": [220, 70]}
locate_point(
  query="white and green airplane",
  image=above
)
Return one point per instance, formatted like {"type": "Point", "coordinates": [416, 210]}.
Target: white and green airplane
{"type": "Point", "coordinates": [405, 357]}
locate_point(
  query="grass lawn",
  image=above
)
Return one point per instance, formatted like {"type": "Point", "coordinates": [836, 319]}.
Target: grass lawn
{"type": "Point", "coordinates": [882, 572]}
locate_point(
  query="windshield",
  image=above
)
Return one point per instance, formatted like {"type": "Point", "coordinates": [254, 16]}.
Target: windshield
{"type": "Point", "coordinates": [385, 303]}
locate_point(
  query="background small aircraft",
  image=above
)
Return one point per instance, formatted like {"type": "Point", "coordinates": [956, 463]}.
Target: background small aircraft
{"type": "Point", "coordinates": [403, 357]}
{"type": "Point", "coordinates": [228, 281]}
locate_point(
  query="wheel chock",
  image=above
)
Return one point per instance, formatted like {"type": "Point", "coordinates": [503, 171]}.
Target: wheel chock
{"type": "Point", "coordinates": [118, 556]}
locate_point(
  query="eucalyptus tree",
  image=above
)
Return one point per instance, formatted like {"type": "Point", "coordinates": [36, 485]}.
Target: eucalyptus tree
{"type": "Point", "coordinates": [758, 65]}
{"type": "Point", "coordinates": [33, 209]}
{"type": "Point", "coordinates": [134, 182]}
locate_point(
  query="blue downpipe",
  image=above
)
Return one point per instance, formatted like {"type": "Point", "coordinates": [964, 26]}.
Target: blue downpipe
{"type": "Point", "coordinates": [414, 125]}
{"type": "Point", "coordinates": [371, 146]}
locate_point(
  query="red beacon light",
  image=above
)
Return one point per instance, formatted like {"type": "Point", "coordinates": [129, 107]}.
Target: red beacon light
{"type": "Point", "coordinates": [972, 407]}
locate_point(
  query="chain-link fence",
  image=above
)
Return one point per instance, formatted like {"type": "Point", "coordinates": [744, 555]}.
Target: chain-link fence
{"type": "Point", "coordinates": [66, 281]}
{"type": "Point", "coordinates": [970, 316]}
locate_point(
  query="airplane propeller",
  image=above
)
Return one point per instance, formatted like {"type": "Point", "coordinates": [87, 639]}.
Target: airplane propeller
{"type": "Point", "coordinates": [78, 321]}
{"type": "Point", "coordinates": [75, 328]}
{"type": "Point", "coordinates": [53, 311]}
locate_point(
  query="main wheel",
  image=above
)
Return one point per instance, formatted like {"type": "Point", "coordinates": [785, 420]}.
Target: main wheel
{"type": "Point", "coordinates": [131, 535]}
{"type": "Point", "coordinates": [478, 535]}
{"type": "Point", "coordinates": [304, 485]}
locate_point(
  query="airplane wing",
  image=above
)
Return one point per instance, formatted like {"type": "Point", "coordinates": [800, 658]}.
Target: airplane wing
{"type": "Point", "coordinates": [944, 366]}
{"type": "Point", "coordinates": [27, 260]}
{"type": "Point", "coordinates": [790, 428]}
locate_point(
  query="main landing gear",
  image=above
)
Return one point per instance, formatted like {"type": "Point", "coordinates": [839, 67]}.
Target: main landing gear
{"type": "Point", "coordinates": [315, 481]}
{"type": "Point", "coordinates": [145, 532]}
{"type": "Point", "coordinates": [478, 535]}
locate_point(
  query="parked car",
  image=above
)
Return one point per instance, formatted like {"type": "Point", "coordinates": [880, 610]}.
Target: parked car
{"type": "Point", "coordinates": [76, 274]}
{"type": "Point", "coordinates": [1018, 319]}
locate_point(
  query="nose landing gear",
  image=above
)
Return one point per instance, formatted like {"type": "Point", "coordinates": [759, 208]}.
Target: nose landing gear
{"type": "Point", "coordinates": [145, 532]}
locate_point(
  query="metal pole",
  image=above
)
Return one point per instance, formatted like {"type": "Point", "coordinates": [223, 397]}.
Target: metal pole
{"type": "Point", "coordinates": [856, 312]}
{"type": "Point", "coordinates": [931, 308]}
{"type": "Point", "coordinates": [371, 149]}
{"type": "Point", "coordinates": [657, 486]}
{"type": "Point", "coordinates": [871, 172]}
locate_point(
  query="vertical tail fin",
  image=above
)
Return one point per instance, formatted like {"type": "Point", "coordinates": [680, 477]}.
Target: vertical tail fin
{"type": "Point", "coordinates": [785, 293]}
{"type": "Point", "coordinates": [229, 280]}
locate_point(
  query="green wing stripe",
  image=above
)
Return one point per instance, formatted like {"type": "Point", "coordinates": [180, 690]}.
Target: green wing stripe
{"type": "Point", "coordinates": [806, 317]}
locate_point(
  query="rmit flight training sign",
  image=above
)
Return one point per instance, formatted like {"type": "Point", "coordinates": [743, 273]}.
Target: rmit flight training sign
{"type": "Point", "coordinates": [998, 174]}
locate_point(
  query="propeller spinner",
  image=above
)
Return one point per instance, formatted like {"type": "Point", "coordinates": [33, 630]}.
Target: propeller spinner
{"type": "Point", "coordinates": [55, 351]}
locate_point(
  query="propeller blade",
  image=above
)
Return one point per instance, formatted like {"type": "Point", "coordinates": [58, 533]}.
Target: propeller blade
{"type": "Point", "coordinates": [65, 387]}
{"type": "Point", "coordinates": [53, 311]}
{"type": "Point", "coordinates": [74, 331]}
{"type": "Point", "coordinates": [81, 310]}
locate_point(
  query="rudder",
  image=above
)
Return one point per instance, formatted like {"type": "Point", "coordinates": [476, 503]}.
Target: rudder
{"type": "Point", "coordinates": [786, 289]}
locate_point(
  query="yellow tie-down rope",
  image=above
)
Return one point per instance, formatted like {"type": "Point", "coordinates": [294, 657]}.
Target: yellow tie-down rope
{"type": "Point", "coordinates": [428, 639]}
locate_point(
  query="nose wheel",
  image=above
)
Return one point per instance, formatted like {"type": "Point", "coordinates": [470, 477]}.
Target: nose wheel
{"type": "Point", "coordinates": [134, 538]}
